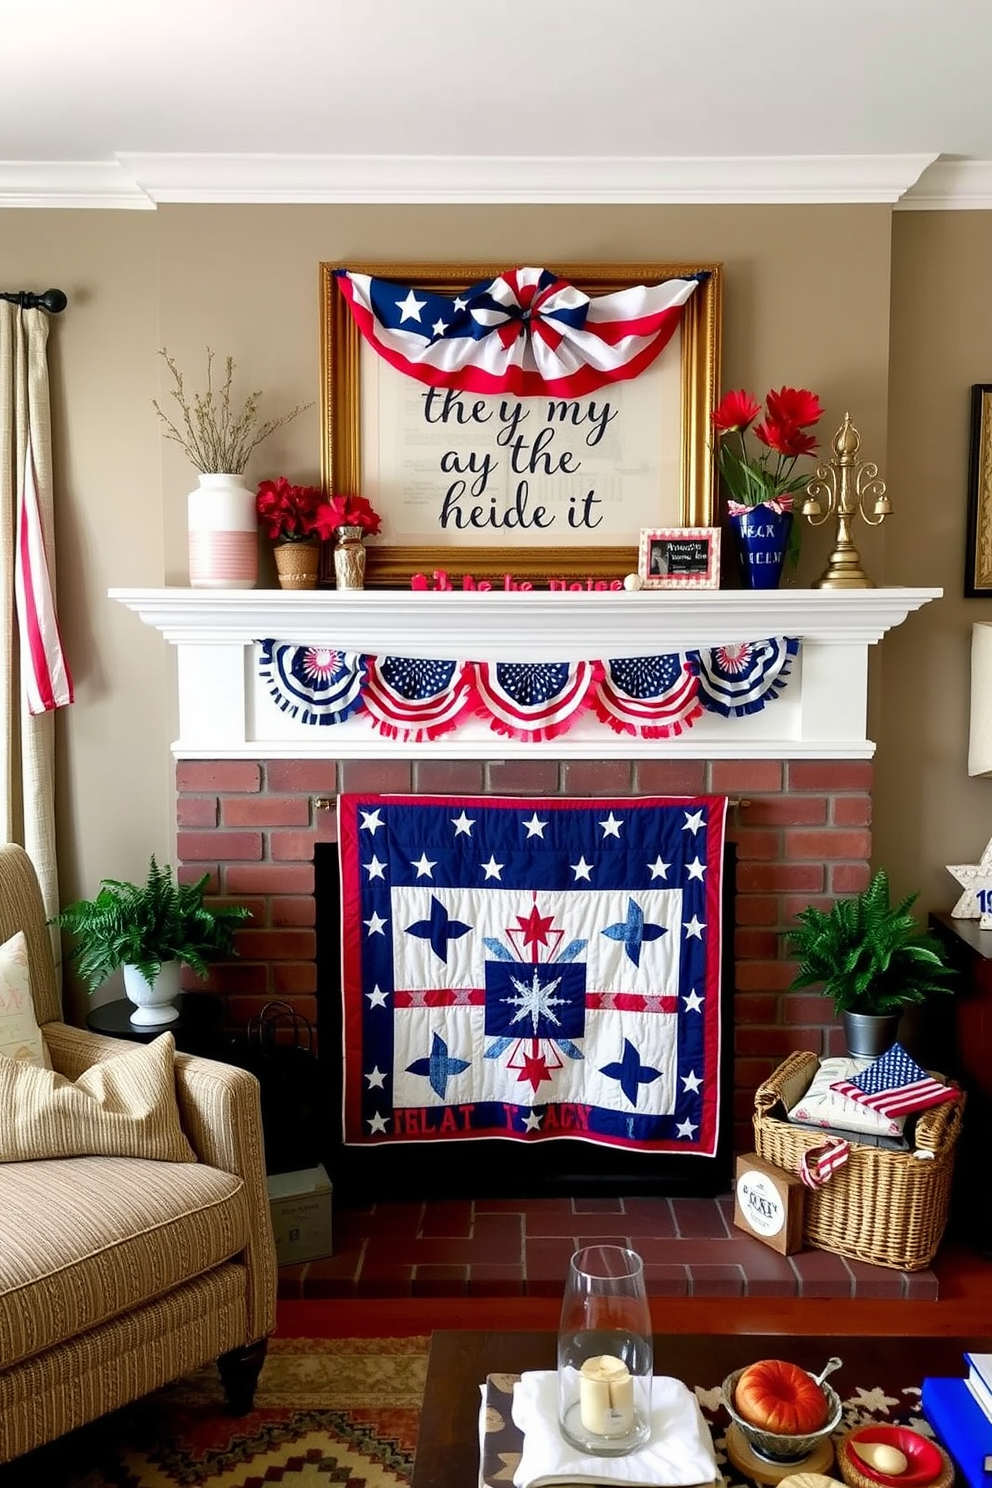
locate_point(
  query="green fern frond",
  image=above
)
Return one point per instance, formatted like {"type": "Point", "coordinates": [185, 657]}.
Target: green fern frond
{"type": "Point", "coordinates": [870, 955]}
{"type": "Point", "coordinates": [145, 924]}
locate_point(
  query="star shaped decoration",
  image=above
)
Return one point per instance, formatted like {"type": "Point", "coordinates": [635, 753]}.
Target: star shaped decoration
{"type": "Point", "coordinates": [691, 1081]}
{"type": "Point", "coordinates": [377, 1124]}
{"type": "Point", "coordinates": [439, 327]}
{"type": "Point", "coordinates": [693, 1002]}
{"type": "Point", "coordinates": [695, 869]}
{"type": "Point", "coordinates": [694, 928]}
{"type": "Point", "coordinates": [611, 826]}
{"type": "Point", "coordinates": [375, 924]}
{"type": "Point", "coordinates": [374, 868]}
{"type": "Point", "coordinates": [693, 822]}
{"type": "Point", "coordinates": [535, 827]}
{"type": "Point", "coordinates": [976, 880]}
{"type": "Point", "coordinates": [463, 824]}
{"type": "Point", "coordinates": [658, 868]}
{"type": "Point", "coordinates": [686, 1128]}
{"type": "Point", "coordinates": [376, 1079]}
{"type": "Point", "coordinates": [371, 821]}
{"type": "Point", "coordinates": [532, 1122]}
{"type": "Point", "coordinates": [377, 998]}
{"type": "Point", "coordinates": [492, 869]}
{"type": "Point", "coordinates": [410, 308]}
{"type": "Point", "coordinates": [423, 866]}
{"type": "Point", "coordinates": [581, 869]}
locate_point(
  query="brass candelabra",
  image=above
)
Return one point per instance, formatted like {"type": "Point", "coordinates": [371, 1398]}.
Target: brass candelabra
{"type": "Point", "coordinates": [846, 484]}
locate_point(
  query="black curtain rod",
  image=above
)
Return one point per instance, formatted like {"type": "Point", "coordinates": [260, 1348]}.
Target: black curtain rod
{"type": "Point", "coordinates": [52, 300]}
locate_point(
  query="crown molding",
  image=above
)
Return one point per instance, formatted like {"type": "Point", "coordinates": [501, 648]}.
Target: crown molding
{"type": "Point", "coordinates": [951, 186]}
{"type": "Point", "coordinates": [135, 181]}
{"type": "Point", "coordinates": [453, 179]}
{"type": "Point", "coordinates": [103, 184]}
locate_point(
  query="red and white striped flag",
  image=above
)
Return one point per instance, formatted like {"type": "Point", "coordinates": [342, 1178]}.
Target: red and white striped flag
{"type": "Point", "coordinates": [45, 674]}
{"type": "Point", "coordinates": [895, 1085]}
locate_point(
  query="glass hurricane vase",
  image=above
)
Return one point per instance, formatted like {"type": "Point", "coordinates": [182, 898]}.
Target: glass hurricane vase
{"type": "Point", "coordinates": [605, 1353]}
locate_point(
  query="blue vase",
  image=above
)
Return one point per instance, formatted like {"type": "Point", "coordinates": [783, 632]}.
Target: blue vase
{"type": "Point", "coordinates": [761, 537]}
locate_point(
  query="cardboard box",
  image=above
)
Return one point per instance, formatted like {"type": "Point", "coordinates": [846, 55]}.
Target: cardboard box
{"type": "Point", "coordinates": [301, 1215]}
{"type": "Point", "coordinates": [769, 1203]}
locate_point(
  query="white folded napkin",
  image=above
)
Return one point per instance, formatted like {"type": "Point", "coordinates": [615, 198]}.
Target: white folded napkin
{"type": "Point", "coordinates": [679, 1453]}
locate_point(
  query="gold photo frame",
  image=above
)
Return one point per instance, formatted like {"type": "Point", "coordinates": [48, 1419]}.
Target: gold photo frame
{"type": "Point", "coordinates": [978, 539]}
{"type": "Point", "coordinates": [365, 408]}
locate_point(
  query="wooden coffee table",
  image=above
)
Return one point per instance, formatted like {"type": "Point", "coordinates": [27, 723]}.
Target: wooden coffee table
{"type": "Point", "coordinates": [448, 1440]}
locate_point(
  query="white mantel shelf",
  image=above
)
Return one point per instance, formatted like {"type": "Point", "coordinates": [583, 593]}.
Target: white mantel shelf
{"type": "Point", "coordinates": [224, 712]}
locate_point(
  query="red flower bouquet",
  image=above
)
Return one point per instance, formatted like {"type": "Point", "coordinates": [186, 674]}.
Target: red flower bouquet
{"type": "Point", "coordinates": [354, 511]}
{"type": "Point", "coordinates": [291, 513]}
{"type": "Point", "coordinates": [766, 476]}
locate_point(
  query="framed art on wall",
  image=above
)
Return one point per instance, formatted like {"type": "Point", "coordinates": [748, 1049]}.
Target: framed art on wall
{"type": "Point", "coordinates": [978, 544]}
{"type": "Point", "coordinates": [550, 480]}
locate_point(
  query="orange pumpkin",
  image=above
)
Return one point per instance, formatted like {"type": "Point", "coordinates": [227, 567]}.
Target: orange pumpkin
{"type": "Point", "coordinates": [781, 1398]}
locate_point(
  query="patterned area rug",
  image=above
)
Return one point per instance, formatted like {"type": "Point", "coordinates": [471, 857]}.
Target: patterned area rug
{"type": "Point", "coordinates": [327, 1411]}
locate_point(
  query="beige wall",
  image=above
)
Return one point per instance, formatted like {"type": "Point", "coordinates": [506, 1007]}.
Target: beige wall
{"type": "Point", "coordinates": [807, 302]}
{"type": "Point", "coordinates": [928, 812]}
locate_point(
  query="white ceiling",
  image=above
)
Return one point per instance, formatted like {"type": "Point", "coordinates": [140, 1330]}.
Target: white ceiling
{"type": "Point", "coordinates": [140, 101]}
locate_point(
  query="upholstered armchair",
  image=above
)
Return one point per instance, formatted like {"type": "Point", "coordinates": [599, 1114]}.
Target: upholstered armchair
{"type": "Point", "coordinates": [120, 1273]}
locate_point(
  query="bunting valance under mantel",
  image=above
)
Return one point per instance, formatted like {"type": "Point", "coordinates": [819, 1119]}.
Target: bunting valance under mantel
{"type": "Point", "coordinates": [225, 713]}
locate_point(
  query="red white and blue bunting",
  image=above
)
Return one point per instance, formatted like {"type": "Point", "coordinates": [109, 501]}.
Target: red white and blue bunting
{"type": "Point", "coordinates": [741, 679]}
{"type": "Point", "coordinates": [413, 700]}
{"type": "Point", "coordinates": [534, 700]}
{"type": "Point", "coordinates": [525, 332]}
{"type": "Point", "coordinates": [313, 684]}
{"type": "Point", "coordinates": [655, 697]}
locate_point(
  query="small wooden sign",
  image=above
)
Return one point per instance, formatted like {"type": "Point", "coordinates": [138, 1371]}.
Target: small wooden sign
{"type": "Point", "coordinates": [769, 1203]}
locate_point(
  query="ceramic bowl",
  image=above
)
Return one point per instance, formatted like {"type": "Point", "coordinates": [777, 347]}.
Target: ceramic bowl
{"type": "Point", "coordinates": [924, 1462]}
{"type": "Point", "coordinates": [772, 1445]}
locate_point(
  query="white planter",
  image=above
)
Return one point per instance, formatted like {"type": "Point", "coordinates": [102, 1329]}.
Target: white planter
{"type": "Point", "coordinates": [154, 1002]}
{"type": "Point", "coordinates": [223, 534]}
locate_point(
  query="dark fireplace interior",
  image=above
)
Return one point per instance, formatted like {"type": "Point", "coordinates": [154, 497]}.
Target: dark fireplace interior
{"type": "Point", "coordinates": [492, 1168]}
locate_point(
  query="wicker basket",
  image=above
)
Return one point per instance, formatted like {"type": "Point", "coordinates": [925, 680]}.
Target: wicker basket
{"type": "Point", "coordinates": [887, 1208]}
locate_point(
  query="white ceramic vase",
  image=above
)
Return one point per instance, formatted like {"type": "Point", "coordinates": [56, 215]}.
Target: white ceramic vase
{"type": "Point", "coordinates": [154, 1002]}
{"type": "Point", "coordinates": [223, 534]}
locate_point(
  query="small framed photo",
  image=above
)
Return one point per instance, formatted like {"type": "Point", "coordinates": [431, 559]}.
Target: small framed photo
{"type": "Point", "coordinates": [679, 557]}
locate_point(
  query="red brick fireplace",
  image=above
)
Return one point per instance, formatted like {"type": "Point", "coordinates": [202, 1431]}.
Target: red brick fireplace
{"type": "Point", "coordinates": [256, 787]}
{"type": "Point", "coordinates": [801, 828]}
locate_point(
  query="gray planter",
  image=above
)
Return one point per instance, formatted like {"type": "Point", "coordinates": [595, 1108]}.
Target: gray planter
{"type": "Point", "coordinates": [870, 1034]}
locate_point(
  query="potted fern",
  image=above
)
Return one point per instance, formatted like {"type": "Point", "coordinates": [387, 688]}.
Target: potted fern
{"type": "Point", "coordinates": [873, 958]}
{"type": "Point", "coordinates": [149, 930]}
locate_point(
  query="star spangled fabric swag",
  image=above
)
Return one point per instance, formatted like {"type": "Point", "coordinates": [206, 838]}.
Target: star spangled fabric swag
{"type": "Point", "coordinates": [525, 332]}
{"type": "Point", "coordinates": [532, 969]}
{"type": "Point", "coordinates": [895, 1085]}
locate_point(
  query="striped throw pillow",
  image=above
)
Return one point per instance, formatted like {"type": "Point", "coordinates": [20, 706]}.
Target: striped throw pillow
{"type": "Point", "coordinates": [123, 1107]}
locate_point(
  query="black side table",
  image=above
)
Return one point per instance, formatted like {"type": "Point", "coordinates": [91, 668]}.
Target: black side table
{"type": "Point", "coordinates": [197, 1030]}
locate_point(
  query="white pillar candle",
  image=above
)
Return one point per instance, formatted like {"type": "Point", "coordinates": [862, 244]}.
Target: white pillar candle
{"type": "Point", "coordinates": [606, 1396]}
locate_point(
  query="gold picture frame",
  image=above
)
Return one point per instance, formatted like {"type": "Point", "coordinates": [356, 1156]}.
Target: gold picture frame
{"type": "Point", "coordinates": [978, 538]}
{"type": "Point", "coordinates": [349, 410]}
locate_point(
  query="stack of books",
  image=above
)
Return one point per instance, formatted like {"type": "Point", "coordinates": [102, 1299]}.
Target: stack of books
{"type": "Point", "coordinates": [960, 1412]}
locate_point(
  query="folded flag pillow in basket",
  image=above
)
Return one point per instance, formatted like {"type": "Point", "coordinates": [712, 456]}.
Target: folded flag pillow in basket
{"type": "Point", "coordinates": [895, 1085]}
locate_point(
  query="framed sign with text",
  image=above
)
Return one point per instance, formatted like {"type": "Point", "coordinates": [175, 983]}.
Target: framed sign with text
{"type": "Point", "coordinates": [679, 558]}
{"type": "Point", "coordinates": [551, 483]}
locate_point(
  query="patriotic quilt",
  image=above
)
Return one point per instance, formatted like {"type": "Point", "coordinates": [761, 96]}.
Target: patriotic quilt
{"type": "Point", "coordinates": [532, 969]}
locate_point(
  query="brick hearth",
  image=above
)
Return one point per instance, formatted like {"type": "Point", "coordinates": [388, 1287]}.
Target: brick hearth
{"type": "Point", "coordinates": [507, 1248]}
{"type": "Point", "coordinates": [802, 829]}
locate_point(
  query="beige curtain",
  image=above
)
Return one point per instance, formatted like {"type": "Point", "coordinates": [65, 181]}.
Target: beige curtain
{"type": "Point", "coordinates": [27, 743]}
